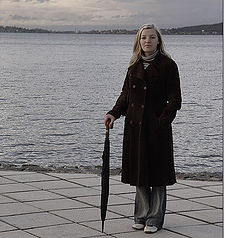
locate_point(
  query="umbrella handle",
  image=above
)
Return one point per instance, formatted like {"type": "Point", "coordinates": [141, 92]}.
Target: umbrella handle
{"type": "Point", "coordinates": [107, 127]}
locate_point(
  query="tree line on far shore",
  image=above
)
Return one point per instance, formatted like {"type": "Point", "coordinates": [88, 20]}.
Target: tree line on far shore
{"type": "Point", "coordinates": [211, 29]}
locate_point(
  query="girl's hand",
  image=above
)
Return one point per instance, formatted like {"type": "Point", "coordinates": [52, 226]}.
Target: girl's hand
{"type": "Point", "coordinates": [108, 118]}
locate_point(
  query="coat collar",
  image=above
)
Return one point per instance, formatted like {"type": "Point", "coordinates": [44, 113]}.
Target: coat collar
{"type": "Point", "coordinates": [153, 69]}
{"type": "Point", "coordinates": [138, 70]}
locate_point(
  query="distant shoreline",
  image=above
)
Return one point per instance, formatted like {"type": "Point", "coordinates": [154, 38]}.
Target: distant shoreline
{"type": "Point", "coordinates": [203, 176]}
{"type": "Point", "coordinates": [211, 29]}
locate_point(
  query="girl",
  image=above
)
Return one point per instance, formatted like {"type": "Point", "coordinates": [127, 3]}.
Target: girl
{"type": "Point", "coordinates": [149, 99]}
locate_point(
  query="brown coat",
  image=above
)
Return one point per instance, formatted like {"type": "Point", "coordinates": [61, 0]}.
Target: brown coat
{"type": "Point", "coordinates": [149, 99]}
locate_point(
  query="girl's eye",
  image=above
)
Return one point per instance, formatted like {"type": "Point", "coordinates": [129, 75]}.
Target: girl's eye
{"type": "Point", "coordinates": [144, 37]}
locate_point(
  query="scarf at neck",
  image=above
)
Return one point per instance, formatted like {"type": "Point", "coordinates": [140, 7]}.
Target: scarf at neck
{"type": "Point", "coordinates": [148, 59]}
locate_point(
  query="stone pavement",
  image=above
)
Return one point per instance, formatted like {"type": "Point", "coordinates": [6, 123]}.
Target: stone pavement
{"type": "Point", "coordinates": [56, 205]}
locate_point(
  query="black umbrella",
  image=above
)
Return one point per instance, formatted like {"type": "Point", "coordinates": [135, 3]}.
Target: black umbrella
{"type": "Point", "coordinates": [105, 176]}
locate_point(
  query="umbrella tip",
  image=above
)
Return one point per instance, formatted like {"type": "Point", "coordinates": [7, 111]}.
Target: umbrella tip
{"type": "Point", "coordinates": [102, 226]}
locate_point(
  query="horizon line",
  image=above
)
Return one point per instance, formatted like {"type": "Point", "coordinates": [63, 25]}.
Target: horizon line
{"type": "Point", "coordinates": [75, 27]}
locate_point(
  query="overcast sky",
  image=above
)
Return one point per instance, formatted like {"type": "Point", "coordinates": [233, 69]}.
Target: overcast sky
{"type": "Point", "coordinates": [108, 14]}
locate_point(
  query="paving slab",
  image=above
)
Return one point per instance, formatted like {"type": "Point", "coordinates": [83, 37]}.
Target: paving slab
{"type": "Point", "coordinates": [187, 193]}
{"type": "Point", "coordinates": [92, 182]}
{"type": "Point", "coordinates": [177, 186]}
{"type": "Point", "coordinates": [209, 216]}
{"type": "Point", "coordinates": [130, 196]}
{"type": "Point", "coordinates": [5, 227]}
{"type": "Point", "coordinates": [197, 183]}
{"type": "Point", "coordinates": [216, 201]}
{"type": "Point", "coordinates": [57, 204]}
{"type": "Point", "coordinates": [94, 200]}
{"type": "Point", "coordinates": [219, 224]}
{"type": "Point", "coordinates": [89, 182]}
{"type": "Point", "coordinates": [36, 204]}
{"type": "Point", "coordinates": [50, 185]}
{"type": "Point", "coordinates": [65, 231]}
{"type": "Point", "coordinates": [16, 208]}
{"type": "Point", "coordinates": [4, 199]}
{"type": "Point", "coordinates": [6, 181]}
{"type": "Point", "coordinates": [200, 231]}
{"type": "Point", "coordinates": [114, 182]}
{"type": "Point", "coordinates": [34, 220]}
{"type": "Point", "coordinates": [122, 188]}
{"type": "Point", "coordinates": [12, 172]}
{"type": "Point", "coordinates": [16, 234]}
{"type": "Point", "coordinates": [112, 200]}
{"type": "Point", "coordinates": [116, 177]}
{"type": "Point", "coordinates": [84, 215]}
{"type": "Point", "coordinates": [124, 210]}
{"type": "Point", "coordinates": [140, 234]}
{"type": "Point", "coordinates": [215, 188]}
{"type": "Point", "coordinates": [185, 205]}
{"type": "Point", "coordinates": [177, 220]}
{"type": "Point", "coordinates": [173, 198]}
{"type": "Point", "coordinates": [33, 196]}
{"type": "Point", "coordinates": [16, 187]}
{"type": "Point", "coordinates": [30, 177]}
{"type": "Point", "coordinates": [113, 226]}
{"type": "Point", "coordinates": [69, 176]}
{"type": "Point", "coordinates": [77, 192]}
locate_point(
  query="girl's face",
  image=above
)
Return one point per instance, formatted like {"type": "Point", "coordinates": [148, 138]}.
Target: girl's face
{"type": "Point", "coordinates": [149, 41]}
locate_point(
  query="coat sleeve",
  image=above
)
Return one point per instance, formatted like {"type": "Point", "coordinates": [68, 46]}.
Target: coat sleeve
{"type": "Point", "coordinates": [174, 98]}
{"type": "Point", "coordinates": [121, 104]}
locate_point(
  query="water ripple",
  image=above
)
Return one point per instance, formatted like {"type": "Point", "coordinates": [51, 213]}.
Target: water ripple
{"type": "Point", "coordinates": [53, 99]}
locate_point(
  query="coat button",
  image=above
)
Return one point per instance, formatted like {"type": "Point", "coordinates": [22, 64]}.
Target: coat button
{"type": "Point", "coordinates": [134, 86]}
{"type": "Point", "coordinates": [142, 106]}
{"type": "Point", "coordinates": [145, 88]}
{"type": "Point", "coordinates": [132, 105]}
{"type": "Point", "coordinates": [131, 122]}
{"type": "Point", "coordinates": [140, 123]}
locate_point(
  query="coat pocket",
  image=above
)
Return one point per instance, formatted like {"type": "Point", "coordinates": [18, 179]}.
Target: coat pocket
{"type": "Point", "coordinates": [163, 123]}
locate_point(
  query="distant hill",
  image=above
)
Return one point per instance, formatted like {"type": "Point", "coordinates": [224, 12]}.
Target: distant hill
{"type": "Point", "coordinates": [15, 29]}
{"type": "Point", "coordinates": [211, 29]}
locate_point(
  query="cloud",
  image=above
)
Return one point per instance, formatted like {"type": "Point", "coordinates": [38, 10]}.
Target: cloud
{"type": "Point", "coordinates": [42, 1]}
{"type": "Point", "coordinates": [128, 1]}
{"type": "Point", "coordinates": [117, 16]}
{"type": "Point", "coordinates": [107, 14]}
{"type": "Point", "coordinates": [37, 1]}
{"type": "Point", "coordinates": [23, 18]}
{"type": "Point", "coordinates": [34, 1]}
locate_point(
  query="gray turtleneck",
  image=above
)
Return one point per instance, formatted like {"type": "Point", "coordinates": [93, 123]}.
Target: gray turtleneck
{"type": "Point", "coordinates": [148, 59]}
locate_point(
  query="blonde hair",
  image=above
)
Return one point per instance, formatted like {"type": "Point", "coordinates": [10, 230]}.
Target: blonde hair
{"type": "Point", "coordinates": [137, 50]}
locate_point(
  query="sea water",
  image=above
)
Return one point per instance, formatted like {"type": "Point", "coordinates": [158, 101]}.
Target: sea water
{"type": "Point", "coordinates": [56, 89]}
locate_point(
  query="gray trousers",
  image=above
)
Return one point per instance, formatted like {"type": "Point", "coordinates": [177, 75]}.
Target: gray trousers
{"type": "Point", "coordinates": [150, 205]}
